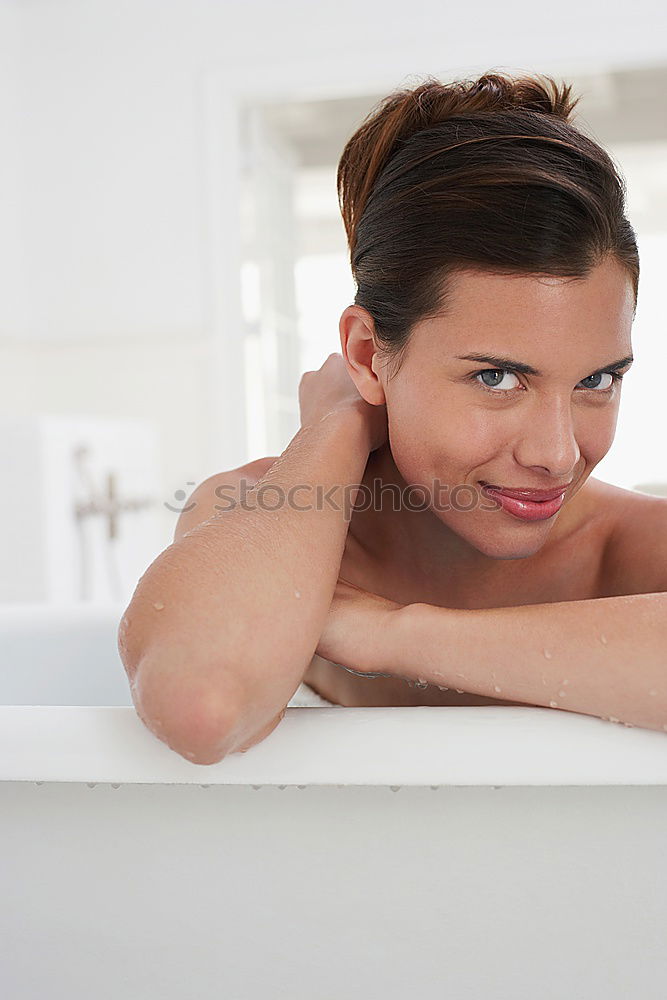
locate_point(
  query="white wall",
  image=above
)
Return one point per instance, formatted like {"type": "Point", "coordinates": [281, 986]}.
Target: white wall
{"type": "Point", "coordinates": [118, 245]}
{"type": "Point", "coordinates": [112, 129]}
{"type": "Point", "coordinates": [13, 267]}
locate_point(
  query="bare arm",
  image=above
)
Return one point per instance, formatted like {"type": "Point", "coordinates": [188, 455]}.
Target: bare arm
{"type": "Point", "coordinates": [603, 657]}
{"type": "Point", "coordinates": [224, 623]}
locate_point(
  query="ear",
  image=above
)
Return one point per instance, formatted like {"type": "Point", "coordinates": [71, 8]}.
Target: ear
{"type": "Point", "coordinates": [362, 357]}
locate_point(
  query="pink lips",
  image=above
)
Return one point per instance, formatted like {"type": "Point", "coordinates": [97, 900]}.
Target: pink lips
{"type": "Point", "coordinates": [528, 507]}
{"type": "Point", "coordinates": [536, 496]}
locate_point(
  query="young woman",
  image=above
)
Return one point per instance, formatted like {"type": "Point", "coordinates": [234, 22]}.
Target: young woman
{"type": "Point", "coordinates": [433, 535]}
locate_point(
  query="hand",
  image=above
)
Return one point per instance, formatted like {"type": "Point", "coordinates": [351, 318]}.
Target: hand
{"type": "Point", "coordinates": [360, 630]}
{"type": "Point", "coordinates": [331, 388]}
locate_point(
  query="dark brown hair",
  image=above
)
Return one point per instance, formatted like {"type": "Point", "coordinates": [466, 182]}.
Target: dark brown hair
{"type": "Point", "coordinates": [487, 175]}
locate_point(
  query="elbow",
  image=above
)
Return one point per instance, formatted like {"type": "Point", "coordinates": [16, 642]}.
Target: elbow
{"type": "Point", "coordinates": [194, 706]}
{"type": "Point", "coordinates": [198, 723]}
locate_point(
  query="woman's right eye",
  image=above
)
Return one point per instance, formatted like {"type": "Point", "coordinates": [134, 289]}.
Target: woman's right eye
{"type": "Point", "coordinates": [494, 373]}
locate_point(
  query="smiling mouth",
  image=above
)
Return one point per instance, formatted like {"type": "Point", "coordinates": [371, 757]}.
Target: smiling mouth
{"type": "Point", "coordinates": [534, 496]}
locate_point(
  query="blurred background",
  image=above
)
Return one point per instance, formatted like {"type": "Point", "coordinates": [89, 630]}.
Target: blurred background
{"type": "Point", "coordinates": [172, 255]}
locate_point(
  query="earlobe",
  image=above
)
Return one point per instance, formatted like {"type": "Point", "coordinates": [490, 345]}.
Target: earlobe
{"type": "Point", "coordinates": [368, 383]}
{"type": "Point", "coordinates": [372, 389]}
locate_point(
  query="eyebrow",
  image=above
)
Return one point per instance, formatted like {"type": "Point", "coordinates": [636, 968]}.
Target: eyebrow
{"type": "Point", "coordinates": [524, 369]}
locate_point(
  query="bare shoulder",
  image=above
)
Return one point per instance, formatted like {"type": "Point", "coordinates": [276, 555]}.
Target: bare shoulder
{"type": "Point", "coordinates": [206, 499]}
{"type": "Point", "coordinates": [636, 551]}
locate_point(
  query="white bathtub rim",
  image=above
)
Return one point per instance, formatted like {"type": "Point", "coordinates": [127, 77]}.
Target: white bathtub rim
{"type": "Point", "coordinates": [436, 746]}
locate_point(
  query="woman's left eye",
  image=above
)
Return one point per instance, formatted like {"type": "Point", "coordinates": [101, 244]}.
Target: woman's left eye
{"type": "Point", "coordinates": [613, 377]}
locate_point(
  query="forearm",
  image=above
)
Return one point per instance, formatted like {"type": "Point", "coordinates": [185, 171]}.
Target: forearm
{"type": "Point", "coordinates": [605, 657]}
{"type": "Point", "coordinates": [243, 596]}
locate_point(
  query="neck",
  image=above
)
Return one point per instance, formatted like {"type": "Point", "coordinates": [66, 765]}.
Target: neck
{"type": "Point", "coordinates": [392, 531]}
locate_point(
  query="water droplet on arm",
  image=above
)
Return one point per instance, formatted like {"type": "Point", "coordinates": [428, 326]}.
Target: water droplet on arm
{"type": "Point", "coordinates": [158, 605]}
{"type": "Point", "coordinates": [547, 654]}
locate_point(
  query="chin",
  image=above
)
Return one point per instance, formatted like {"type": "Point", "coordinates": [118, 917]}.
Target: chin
{"type": "Point", "coordinates": [503, 548]}
{"type": "Point", "coordinates": [520, 555]}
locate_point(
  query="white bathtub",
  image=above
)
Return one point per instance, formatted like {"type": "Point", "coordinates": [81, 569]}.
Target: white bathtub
{"type": "Point", "coordinates": [372, 853]}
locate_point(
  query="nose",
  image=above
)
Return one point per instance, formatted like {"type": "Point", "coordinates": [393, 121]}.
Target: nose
{"type": "Point", "coordinates": [547, 439]}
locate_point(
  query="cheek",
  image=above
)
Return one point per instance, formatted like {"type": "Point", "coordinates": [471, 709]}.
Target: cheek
{"type": "Point", "coordinates": [430, 438]}
{"type": "Point", "coordinates": [595, 439]}
{"type": "Point", "coordinates": [594, 430]}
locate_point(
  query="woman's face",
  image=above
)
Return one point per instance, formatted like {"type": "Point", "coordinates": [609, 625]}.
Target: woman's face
{"type": "Point", "coordinates": [449, 423]}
